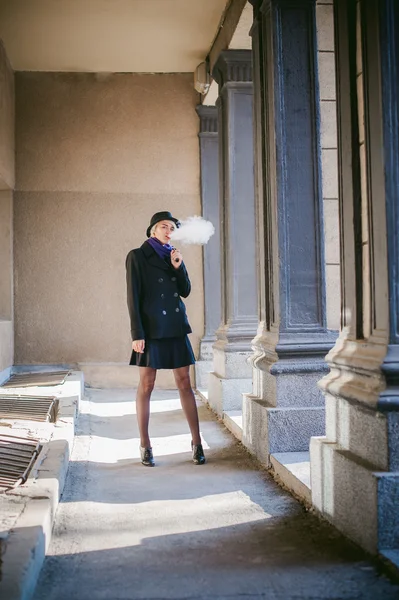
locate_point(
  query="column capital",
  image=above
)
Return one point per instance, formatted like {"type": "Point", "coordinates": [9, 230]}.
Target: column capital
{"type": "Point", "coordinates": [208, 116]}
{"type": "Point", "coordinates": [233, 66]}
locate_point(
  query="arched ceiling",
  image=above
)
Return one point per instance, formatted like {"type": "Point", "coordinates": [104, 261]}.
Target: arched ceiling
{"type": "Point", "coordinates": [147, 36]}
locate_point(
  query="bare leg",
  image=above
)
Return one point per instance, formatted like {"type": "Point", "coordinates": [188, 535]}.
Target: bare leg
{"type": "Point", "coordinates": [146, 385]}
{"type": "Point", "coordinates": [182, 378]}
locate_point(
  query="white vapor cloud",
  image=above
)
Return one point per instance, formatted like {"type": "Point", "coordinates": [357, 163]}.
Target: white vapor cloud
{"type": "Point", "coordinates": [193, 230]}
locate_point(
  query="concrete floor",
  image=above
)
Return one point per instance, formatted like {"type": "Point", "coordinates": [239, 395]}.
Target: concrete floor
{"type": "Point", "coordinates": [221, 531]}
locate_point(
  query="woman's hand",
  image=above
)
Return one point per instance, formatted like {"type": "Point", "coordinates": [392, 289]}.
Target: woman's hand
{"type": "Point", "coordinates": [176, 258]}
{"type": "Point", "coordinates": [138, 346]}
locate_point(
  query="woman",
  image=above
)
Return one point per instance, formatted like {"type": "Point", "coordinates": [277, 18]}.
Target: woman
{"type": "Point", "coordinates": [156, 280]}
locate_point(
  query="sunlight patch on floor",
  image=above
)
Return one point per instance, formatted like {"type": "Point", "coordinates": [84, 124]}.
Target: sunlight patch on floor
{"type": "Point", "coordinates": [110, 526]}
{"type": "Point", "coordinates": [120, 409]}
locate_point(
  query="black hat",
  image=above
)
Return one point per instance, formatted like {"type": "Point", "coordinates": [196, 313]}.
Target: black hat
{"type": "Point", "coordinates": [161, 216]}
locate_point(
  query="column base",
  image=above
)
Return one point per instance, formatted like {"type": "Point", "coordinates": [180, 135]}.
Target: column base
{"type": "Point", "coordinates": [226, 394]}
{"type": "Point", "coordinates": [231, 376]}
{"type": "Point", "coordinates": [354, 473]}
{"type": "Point", "coordinates": [295, 383]}
{"type": "Point", "coordinates": [288, 408]}
{"type": "Point", "coordinates": [358, 500]}
{"type": "Point", "coordinates": [269, 429]}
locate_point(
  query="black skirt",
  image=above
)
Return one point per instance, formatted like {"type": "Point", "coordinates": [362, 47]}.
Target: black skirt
{"type": "Point", "coordinates": [166, 353]}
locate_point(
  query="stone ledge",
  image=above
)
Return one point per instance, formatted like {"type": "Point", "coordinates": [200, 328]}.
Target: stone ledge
{"type": "Point", "coordinates": [27, 535]}
{"type": "Point", "coordinates": [292, 469]}
{"type": "Point", "coordinates": [202, 394]}
{"type": "Point", "coordinates": [233, 421]}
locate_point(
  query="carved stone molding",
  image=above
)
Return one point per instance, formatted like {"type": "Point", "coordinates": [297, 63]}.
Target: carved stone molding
{"type": "Point", "coordinates": [233, 66]}
{"type": "Point", "coordinates": [208, 116]}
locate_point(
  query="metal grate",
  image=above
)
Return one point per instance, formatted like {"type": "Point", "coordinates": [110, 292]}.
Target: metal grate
{"type": "Point", "coordinates": [17, 456]}
{"type": "Point", "coordinates": [32, 408]}
{"type": "Point", "coordinates": [36, 379]}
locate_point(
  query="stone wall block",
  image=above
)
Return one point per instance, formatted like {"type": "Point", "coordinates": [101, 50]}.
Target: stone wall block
{"type": "Point", "coordinates": [328, 130]}
{"type": "Point", "coordinates": [333, 283]}
{"type": "Point", "coordinates": [327, 76]}
{"type": "Point", "coordinates": [325, 27]}
{"type": "Point", "coordinates": [331, 231]}
{"type": "Point", "coordinates": [330, 173]}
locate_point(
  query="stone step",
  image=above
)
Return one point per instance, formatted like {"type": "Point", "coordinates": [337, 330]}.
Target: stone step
{"type": "Point", "coordinates": [233, 421]}
{"type": "Point", "coordinates": [293, 470]}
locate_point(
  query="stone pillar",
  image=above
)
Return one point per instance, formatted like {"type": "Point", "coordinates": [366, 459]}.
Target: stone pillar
{"type": "Point", "coordinates": [209, 161]}
{"type": "Point", "coordinates": [355, 468]}
{"type": "Point", "coordinates": [286, 407]}
{"type": "Point", "coordinates": [231, 375]}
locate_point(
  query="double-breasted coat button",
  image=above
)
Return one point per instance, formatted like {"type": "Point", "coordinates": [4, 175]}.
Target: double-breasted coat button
{"type": "Point", "coordinates": [177, 309]}
{"type": "Point", "coordinates": [175, 294]}
{"type": "Point", "coordinates": [173, 278]}
{"type": "Point", "coordinates": [162, 295]}
{"type": "Point", "coordinates": [160, 280]}
{"type": "Point", "coordinates": [164, 312]}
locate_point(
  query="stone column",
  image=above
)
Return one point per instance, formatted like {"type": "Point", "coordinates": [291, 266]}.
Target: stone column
{"type": "Point", "coordinates": [286, 406]}
{"type": "Point", "coordinates": [209, 164]}
{"type": "Point", "coordinates": [355, 468]}
{"type": "Point", "coordinates": [231, 375]}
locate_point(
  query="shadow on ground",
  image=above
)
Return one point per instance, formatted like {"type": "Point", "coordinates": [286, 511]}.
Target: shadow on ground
{"type": "Point", "coordinates": [183, 532]}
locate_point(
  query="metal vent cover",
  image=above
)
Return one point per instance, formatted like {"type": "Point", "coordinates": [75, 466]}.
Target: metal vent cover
{"type": "Point", "coordinates": [17, 456]}
{"type": "Point", "coordinates": [36, 379]}
{"type": "Point", "coordinates": [31, 408]}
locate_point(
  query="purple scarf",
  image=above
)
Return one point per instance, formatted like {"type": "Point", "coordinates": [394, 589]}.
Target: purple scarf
{"type": "Point", "coordinates": [163, 250]}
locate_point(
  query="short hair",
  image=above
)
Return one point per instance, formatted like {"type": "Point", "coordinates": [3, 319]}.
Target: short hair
{"type": "Point", "coordinates": [153, 228]}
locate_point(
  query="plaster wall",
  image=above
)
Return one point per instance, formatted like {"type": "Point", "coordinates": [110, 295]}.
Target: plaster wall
{"type": "Point", "coordinates": [6, 255]}
{"type": "Point", "coordinates": [326, 60]}
{"type": "Point", "coordinates": [6, 281]}
{"type": "Point", "coordinates": [96, 157]}
{"type": "Point", "coordinates": [7, 122]}
{"type": "Point", "coordinates": [118, 36]}
{"type": "Point", "coordinates": [7, 172]}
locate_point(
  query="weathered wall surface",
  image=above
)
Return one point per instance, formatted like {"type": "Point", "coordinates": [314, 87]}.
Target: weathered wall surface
{"type": "Point", "coordinates": [96, 157]}
{"type": "Point", "coordinates": [7, 175]}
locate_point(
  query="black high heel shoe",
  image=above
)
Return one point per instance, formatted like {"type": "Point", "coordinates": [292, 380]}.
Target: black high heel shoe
{"type": "Point", "coordinates": [147, 458]}
{"type": "Point", "coordinates": [198, 454]}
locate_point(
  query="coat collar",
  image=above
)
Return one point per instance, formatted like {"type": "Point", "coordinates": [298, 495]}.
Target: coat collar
{"type": "Point", "coordinates": [153, 257]}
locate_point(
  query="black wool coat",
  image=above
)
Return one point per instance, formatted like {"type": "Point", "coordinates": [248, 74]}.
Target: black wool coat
{"type": "Point", "coordinates": [154, 290]}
